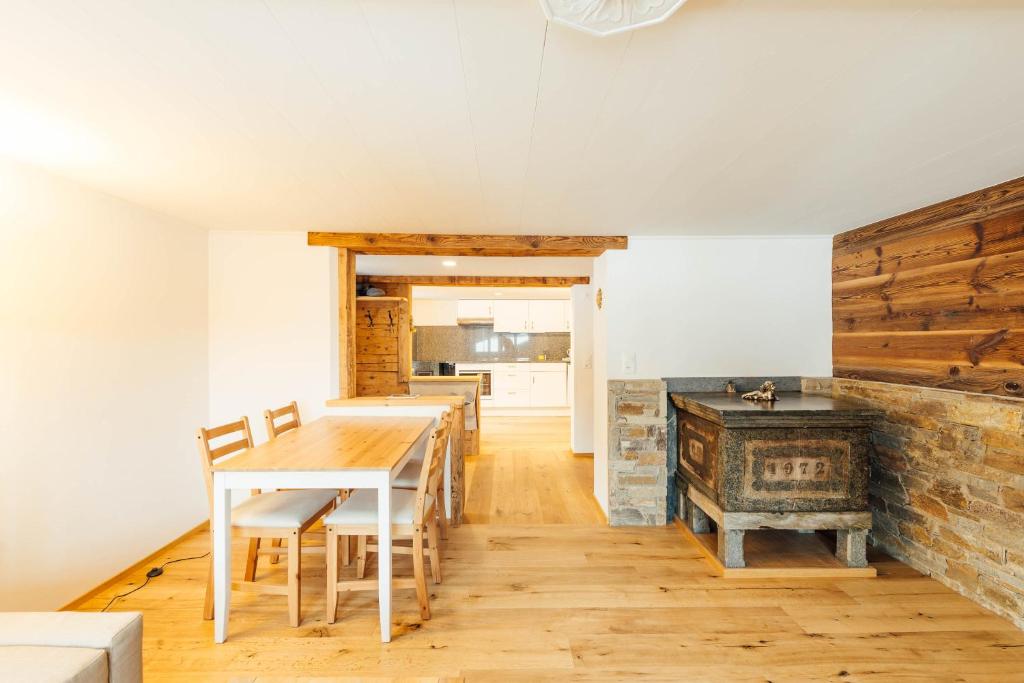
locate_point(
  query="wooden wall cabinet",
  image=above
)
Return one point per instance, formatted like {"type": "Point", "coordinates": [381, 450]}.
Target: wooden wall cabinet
{"type": "Point", "coordinates": [383, 346]}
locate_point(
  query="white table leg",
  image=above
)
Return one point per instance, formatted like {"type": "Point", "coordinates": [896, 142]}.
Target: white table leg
{"type": "Point", "coordinates": [221, 557]}
{"type": "Point", "coordinates": [384, 554]}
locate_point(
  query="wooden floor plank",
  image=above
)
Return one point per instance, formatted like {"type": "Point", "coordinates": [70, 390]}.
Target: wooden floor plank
{"type": "Point", "coordinates": [537, 588]}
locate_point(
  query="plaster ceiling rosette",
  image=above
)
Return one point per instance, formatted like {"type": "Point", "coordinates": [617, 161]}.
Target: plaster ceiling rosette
{"type": "Point", "coordinates": [608, 17]}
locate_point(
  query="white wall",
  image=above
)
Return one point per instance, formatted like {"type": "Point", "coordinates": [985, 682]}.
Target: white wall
{"type": "Point", "coordinates": [273, 325]}
{"type": "Point", "coordinates": [102, 385]}
{"type": "Point", "coordinates": [582, 415]}
{"type": "Point", "coordinates": [697, 307]}
{"type": "Point", "coordinates": [720, 306]}
{"type": "Point", "coordinates": [598, 282]}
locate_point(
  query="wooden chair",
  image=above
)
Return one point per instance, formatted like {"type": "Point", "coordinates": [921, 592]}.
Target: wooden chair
{"type": "Point", "coordinates": [468, 386]}
{"type": "Point", "coordinates": [277, 515]}
{"type": "Point", "coordinates": [414, 515]}
{"type": "Point", "coordinates": [274, 430]}
{"type": "Point", "coordinates": [271, 416]}
{"type": "Point", "coordinates": [409, 478]}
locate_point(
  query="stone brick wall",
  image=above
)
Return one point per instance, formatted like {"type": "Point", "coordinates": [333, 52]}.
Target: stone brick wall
{"type": "Point", "coordinates": [638, 457]}
{"type": "Point", "coordinates": [947, 487]}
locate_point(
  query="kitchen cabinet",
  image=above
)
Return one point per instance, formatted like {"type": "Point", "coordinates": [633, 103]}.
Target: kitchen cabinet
{"type": "Point", "coordinates": [512, 315]}
{"type": "Point", "coordinates": [475, 309]}
{"type": "Point", "coordinates": [427, 312]}
{"type": "Point", "coordinates": [548, 316]}
{"type": "Point", "coordinates": [511, 385]}
{"type": "Point", "coordinates": [529, 385]}
{"type": "Point", "coordinates": [547, 385]}
{"type": "Point", "coordinates": [538, 315]}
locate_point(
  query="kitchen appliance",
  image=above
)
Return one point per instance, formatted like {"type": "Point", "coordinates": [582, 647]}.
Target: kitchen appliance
{"type": "Point", "coordinates": [446, 369]}
{"type": "Point", "coordinates": [485, 378]}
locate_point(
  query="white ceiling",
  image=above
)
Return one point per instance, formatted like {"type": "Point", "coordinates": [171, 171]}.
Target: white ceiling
{"type": "Point", "coordinates": [743, 117]}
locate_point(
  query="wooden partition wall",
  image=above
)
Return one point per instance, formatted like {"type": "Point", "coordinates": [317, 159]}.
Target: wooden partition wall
{"type": "Point", "coordinates": [935, 297]}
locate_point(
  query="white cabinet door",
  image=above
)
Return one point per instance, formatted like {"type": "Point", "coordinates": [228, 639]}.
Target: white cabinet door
{"type": "Point", "coordinates": [547, 316]}
{"type": "Point", "coordinates": [512, 316]}
{"type": "Point", "coordinates": [511, 385]}
{"type": "Point", "coordinates": [475, 309]}
{"type": "Point", "coordinates": [547, 389]}
{"type": "Point", "coordinates": [567, 312]}
{"type": "Point", "coordinates": [426, 312]}
{"type": "Point", "coordinates": [513, 398]}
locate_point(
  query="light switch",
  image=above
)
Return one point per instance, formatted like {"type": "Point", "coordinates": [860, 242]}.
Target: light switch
{"type": "Point", "coordinates": [628, 363]}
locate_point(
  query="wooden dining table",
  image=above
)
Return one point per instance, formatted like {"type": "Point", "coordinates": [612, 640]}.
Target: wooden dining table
{"type": "Point", "coordinates": [334, 452]}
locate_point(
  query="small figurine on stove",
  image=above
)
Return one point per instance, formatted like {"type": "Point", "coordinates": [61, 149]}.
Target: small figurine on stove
{"type": "Point", "coordinates": [765, 393]}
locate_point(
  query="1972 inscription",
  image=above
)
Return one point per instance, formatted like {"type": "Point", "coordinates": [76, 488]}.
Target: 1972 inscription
{"type": "Point", "coordinates": [795, 468]}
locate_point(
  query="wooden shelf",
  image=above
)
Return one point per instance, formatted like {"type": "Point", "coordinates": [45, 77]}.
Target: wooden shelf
{"type": "Point", "coordinates": [381, 298]}
{"type": "Point", "coordinates": [779, 554]}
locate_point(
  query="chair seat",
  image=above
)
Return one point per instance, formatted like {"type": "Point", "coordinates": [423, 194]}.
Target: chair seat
{"type": "Point", "coordinates": [281, 509]}
{"type": "Point", "coordinates": [361, 508]}
{"type": "Point", "coordinates": [409, 477]}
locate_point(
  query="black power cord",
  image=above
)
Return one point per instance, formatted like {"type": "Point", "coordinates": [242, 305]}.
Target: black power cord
{"type": "Point", "coordinates": [150, 575]}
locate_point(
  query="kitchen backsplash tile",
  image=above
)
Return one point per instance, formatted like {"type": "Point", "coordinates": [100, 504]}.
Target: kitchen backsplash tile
{"type": "Point", "coordinates": [480, 343]}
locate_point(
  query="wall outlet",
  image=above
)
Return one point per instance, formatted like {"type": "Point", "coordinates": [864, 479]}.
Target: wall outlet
{"type": "Point", "coordinates": [629, 363]}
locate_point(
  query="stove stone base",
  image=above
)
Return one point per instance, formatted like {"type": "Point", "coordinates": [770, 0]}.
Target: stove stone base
{"type": "Point", "coordinates": [851, 528]}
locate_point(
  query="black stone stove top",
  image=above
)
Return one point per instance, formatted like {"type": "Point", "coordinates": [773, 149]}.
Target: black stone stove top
{"type": "Point", "coordinates": [792, 409]}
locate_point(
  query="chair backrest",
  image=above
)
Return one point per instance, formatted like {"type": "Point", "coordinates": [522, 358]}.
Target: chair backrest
{"type": "Point", "coordinates": [235, 437]}
{"type": "Point", "coordinates": [470, 389]}
{"type": "Point", "coordinates": [270, 418]}
{"type": "Point", "coordinates": [433, 468]}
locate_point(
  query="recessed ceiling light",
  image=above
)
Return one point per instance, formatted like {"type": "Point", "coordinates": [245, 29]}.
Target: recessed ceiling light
{"type": "Point", "coordinates": [448, 264]}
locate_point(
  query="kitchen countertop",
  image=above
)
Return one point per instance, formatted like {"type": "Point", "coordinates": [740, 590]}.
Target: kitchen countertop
{"type": "Point", "coordinates": [502, 362]}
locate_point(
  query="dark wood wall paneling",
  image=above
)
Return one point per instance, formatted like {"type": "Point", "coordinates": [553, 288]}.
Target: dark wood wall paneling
{"type": "Point", "coordinates": [935, 297]}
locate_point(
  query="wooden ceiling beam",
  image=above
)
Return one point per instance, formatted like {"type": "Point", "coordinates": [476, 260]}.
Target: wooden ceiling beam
{"type": "Point", "coordinates": [423, 244]}
{"type": "Point", "coordinates": [474, 280]}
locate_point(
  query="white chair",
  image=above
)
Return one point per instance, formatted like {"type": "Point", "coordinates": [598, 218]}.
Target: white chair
{"type": "Point", "coordinates": [414, 516]}
{"type": "Point", "coordinates": [276, 515]}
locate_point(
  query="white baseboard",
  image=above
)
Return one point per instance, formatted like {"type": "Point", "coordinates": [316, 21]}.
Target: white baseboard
{"type": "Point", "coordinates": [496, 411]}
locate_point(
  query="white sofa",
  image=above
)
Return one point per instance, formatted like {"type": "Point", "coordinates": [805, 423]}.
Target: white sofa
{"type": "Point", "coordinates": [84, 647]}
